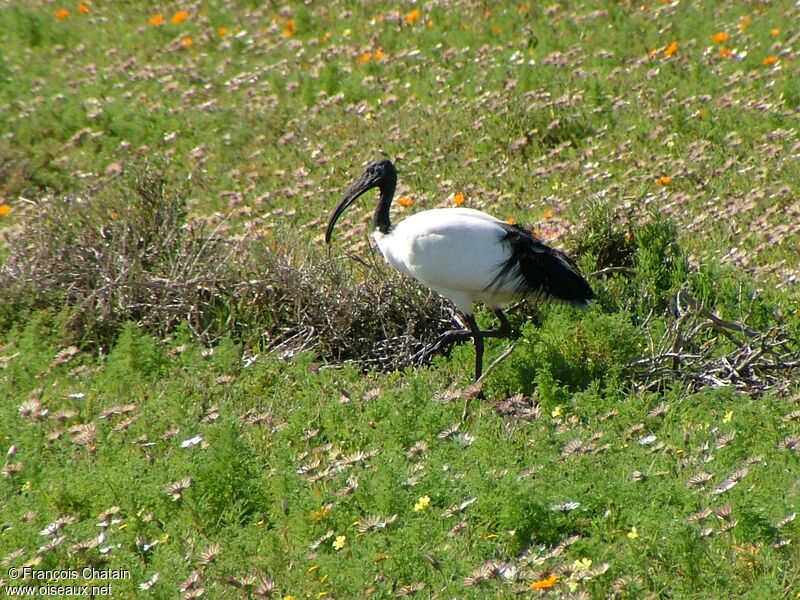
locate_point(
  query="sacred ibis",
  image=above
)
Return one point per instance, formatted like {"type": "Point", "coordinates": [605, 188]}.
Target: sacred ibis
{"type": "Point", "coordinates": [467, 256]}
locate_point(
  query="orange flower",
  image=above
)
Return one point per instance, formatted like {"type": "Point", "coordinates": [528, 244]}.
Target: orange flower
{"type": "Point", "coordinates": [4, 210]}
{"type": "Point", "coordinates": [726, 53]}
{"type": "Point", "coordinates": [770, 60]}
{"type": "Point", "coordinates": [495, 29]}
{"type": "Point", "coordinates": [83, 8]}
{"type": "Point", "coordinates": [547, 214]}
{"type": "Point", "coordinates": [720, 37]}
{"type": "Point", "coordinates": [664, 180]}
{"type": "Point", "coordinates": [157, 19]}
{"type": "Point", "coordinates": [378, 54]}
{"type": "Point", "coordinates": [222, 31]}
{"type": "Point", "coordinates": [179, 17]}
{"type": "Point", "coordinates": [405, 201]}
{"type": "Point", "coordinates": [187, 41]}
{"type": "Point", "coordinates": [412, 16]}
{"type": "Point", "coordinates": [62, 13]}
{"type": "Point", "coordinates": [671, 49]}
{"type": "Point", "coordinates": [366, 57]}
{"type": "Point", "coordinates": [746, 20]}
{"type": "Point", "coordinates": [774, 32]}
{"type": "Point", "coordinates": [511, 221]}
{"type": "Point", "coordinates": [458, 198]}
{"type": "Point", "coordinates": [543, 584]}
{"type": "Point", "coordinates": [288, 28]}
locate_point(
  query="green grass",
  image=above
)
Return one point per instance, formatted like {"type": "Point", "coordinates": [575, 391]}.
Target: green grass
{"type": "Point", "coordinates": [308, 477]}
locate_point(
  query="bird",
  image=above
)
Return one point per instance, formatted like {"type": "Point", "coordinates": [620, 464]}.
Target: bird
{"type": "Point", "coordinates": [467, 256]}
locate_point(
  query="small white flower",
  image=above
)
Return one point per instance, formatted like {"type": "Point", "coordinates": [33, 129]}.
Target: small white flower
{"type": "Point", "coordinates": [192, 441]}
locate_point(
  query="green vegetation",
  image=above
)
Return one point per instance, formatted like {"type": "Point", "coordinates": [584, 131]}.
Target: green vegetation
{"type": "Point", "coordinates": [195, 391]}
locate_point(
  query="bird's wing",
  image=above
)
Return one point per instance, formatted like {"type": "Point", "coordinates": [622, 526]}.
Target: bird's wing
{"type": "Point", "coordinates": [532, 268]}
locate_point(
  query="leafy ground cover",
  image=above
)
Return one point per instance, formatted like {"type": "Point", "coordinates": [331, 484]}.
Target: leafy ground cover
{"type": "Point", "coordinates": [196, 391]}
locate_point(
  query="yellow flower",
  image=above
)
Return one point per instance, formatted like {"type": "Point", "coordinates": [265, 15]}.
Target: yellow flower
{"type": "Point", "coordinates": [556, 412]}
{"type": "Point", "coordinates": [340, 542]}
{"type": "Point", "coordinates": [289, 28]}
{"type": "Point", "coordinates": [720, 37]}
{"type": "Point", "coordinates": [412, 17]}
{"type": "Point", "coordinates": [157, 19]}
{"type": "Point", "coordinates": [671, 49]}
{"type": "Point", "coordinates": [179, 17]}
{"type": "Point", "coordinates": [728, 416]}
{"type": "Point", "coordinates": [62, 13]}
{"type": "Point", "coordinates": [633, 533]}
{"type": "Point", "coordinates": [4, 209]}
{"type": "Point", "coordinates": [320, 514]}
{"type": "Point", "coordinates": [422, 503]}
{"type": "Point", "coordinates": [583, 563]}
{"type": "Point", "coordinates": [543, 584]}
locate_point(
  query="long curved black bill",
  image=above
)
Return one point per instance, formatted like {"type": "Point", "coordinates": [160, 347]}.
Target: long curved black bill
{"type": "Point", "coordinates": [361, 185]}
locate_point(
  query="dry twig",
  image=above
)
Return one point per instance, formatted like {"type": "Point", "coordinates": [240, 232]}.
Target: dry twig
{"type": "Point", "coordinates": [688, 351]}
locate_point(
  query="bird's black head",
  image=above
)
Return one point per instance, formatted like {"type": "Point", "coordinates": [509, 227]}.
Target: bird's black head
{"type": "Point", "coordinates": [379, 174]}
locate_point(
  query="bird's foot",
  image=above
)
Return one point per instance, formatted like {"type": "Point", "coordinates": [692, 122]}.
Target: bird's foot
{"type": "Point", "coordinates": [447, 338]}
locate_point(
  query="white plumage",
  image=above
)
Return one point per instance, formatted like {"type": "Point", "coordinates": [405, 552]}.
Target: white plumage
{"type": "Point", "coordinates": [466, 256]}
{"type": "Point", "coordinates": [453, 251]}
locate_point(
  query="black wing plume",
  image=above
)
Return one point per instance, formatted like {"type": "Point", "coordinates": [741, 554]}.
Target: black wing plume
{"type": "Point", "coordinates": [535, 269]}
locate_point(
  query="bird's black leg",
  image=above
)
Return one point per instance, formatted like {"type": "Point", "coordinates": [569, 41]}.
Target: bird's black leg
{"type": "Point", "coordinates": [462, 335]}
{"type": "Point", "coordinates": [477, 336]}
{"type": "Point", "coordinates": [505, 326]}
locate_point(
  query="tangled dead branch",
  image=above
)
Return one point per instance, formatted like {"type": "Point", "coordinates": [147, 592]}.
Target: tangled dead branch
{"type": "Point", "coordinates": [136, 257]}
{"type": "Point", "coordinates": [692, 350]}
{"type": "Point", "coordinates": [379, 321]}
